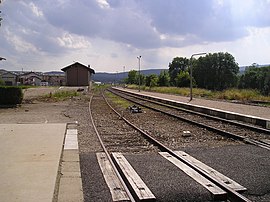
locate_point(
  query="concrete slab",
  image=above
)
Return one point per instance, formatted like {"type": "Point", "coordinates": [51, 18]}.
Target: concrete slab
{"type": "Point", "coordinates": [75, 192]}
{"type": "Point", "coordinates": [70, 185]}
{"type": "Point", "coordinates": [30, 155]}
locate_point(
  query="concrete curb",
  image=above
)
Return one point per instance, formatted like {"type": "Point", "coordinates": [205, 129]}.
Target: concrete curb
{"type": "Point", "coordinates": [70, 183]}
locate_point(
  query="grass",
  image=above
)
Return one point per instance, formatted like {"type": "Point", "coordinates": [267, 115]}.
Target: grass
{"type": "Point", "coordinates": [229, 94]}
{"type": "Point", "coordinates": [117, 100]}
{"type": "Point", "coordinates": [61, 95]}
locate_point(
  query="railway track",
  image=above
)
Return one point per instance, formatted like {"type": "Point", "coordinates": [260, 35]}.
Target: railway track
{"type": "Point", "coordinates": [127, 141]}
{"type": "Point", "coordinates": [244, 132]}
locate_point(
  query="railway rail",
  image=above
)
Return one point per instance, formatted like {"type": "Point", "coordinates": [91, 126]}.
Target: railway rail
{"type": "Point", "coordinates": [232, 194]}
{"type": "Point", "coordinates": [240, 131]}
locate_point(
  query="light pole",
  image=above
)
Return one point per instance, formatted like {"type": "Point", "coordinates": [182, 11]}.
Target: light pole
{"type": "Point", "coordinates": [139, 60]}
{"type": "Point", "coordinates": [124, 76]}
{"type": "Point", "coordinates": [190, 64]}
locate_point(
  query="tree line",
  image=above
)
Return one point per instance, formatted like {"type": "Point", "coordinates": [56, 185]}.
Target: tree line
{"type": "Point", "coordinates": [217, 71]}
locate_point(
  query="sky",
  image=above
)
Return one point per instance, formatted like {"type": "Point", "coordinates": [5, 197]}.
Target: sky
{"type": "Point", "coordinates": [109, 35]}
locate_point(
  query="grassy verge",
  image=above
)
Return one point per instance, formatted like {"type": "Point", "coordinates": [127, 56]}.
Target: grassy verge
{"type": "Point", "coordinates": [117, 100]}
{"type": "Point", "coordinates": [230, 94]}
{"type": "Point", "coordinates": [61, 95]}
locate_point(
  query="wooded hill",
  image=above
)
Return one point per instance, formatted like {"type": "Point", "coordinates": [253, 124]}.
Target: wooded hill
{"type": "Point", "coordinates": [104, 77]}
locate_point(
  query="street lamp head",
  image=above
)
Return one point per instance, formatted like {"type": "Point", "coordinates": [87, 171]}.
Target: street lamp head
{"type": "Point", "coordinates": [139, 57]}
{"type": "Point", "coordinates": [2, 58]}
{"type": "Point", "coordinates": [198, 54]}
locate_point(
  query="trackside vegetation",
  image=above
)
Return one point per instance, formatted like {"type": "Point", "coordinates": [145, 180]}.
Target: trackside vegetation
{"type": "Point", "coordinates": [214, 76]}
{"type": "Point", "coordinates": [61, 95]}
{"type": "Point", "coordinates": [244, 95]}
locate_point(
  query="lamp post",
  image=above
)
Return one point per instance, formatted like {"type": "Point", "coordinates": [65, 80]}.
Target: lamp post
{"type": "Point", "coordinates": [139, 60]}
{"type": "Point", "coordinates": [190, 64]}
{"type": "Point", "coordinates": [124, 76]}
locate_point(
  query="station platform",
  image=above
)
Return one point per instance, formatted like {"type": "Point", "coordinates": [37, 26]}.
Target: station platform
{"type": "Point", "coordinates": [34, 157]}
{"type": "Point", "coordinates": [230, 110]}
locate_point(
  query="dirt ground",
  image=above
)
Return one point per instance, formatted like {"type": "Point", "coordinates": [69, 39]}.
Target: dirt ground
{"type": "Point", "coordinates": [35, 109]}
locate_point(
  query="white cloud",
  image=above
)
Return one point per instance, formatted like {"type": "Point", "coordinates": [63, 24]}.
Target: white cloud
{"type": "Point", "coordinates": [68, 40]}
{"type": "Point", "coordinates": [36, 10]}
{"type": "Point", "coordinates": [18, 43]}
{"type": "Point", "coordinates": [103, 4]}
{"type": "Point", "coordinates": [110, 34]}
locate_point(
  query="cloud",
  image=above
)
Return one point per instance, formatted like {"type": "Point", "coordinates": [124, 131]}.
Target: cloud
{"type": "Point", "coordinates": [68, 40]}
{"type": "Point", "coordinates": [114, 32]}
{"type": "Point", "coordinates": [142, 24]}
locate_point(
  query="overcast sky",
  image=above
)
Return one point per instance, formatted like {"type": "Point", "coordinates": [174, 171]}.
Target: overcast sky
{"type": "Point", "coordinates": [45, 35]}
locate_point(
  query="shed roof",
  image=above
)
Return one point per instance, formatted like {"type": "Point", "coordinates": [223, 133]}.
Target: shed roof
{"type": "Point", "coordinates": [77, 63]}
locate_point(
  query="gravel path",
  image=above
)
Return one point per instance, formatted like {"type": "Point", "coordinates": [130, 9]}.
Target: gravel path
{"type": "Point", "coordinates": [170, 131]}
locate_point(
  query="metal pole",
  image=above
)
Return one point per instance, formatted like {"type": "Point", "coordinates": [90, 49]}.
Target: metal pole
{"type": "Point", "coordinates": [190, 65]}
{"type": "Point", "coordinates": [123, 76]}
{"type": "Point", "coordinates": [139, 59]}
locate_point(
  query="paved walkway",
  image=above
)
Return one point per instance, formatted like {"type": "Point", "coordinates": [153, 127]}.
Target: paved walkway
{"type": "Point", "coordinates": [30, 156]}
{"type": "Point", "coordinates": [263, 112]}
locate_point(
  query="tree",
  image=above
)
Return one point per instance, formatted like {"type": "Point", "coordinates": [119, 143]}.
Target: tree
{"type": "Point", "coordinates": [164, 78]}
{"type": "Point", "coordinates": [178, 64]}
{"type": "Point", "coordinates": [151, 80]}
{"type": "Point", "coordinates": [182, 79]}
{"type": "Point", "coordinates": [2, 83]}
{"type": "Point", "coordinates": [132, 75]}
{"type": "Point", "coordinates": [216, 71]}
{"type": "Point", "coordinates": [141, 81]}
{"type": "Point", "coordinates": [256, 77]}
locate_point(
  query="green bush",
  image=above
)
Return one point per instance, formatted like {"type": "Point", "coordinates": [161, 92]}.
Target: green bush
{"type": "Point", "coordinates": [10, 95]}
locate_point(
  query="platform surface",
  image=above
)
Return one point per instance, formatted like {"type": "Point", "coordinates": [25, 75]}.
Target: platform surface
{"type": "Point", "coordinates": [30, 155]}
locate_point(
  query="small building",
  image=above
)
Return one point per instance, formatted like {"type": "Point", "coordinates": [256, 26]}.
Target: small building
{"type": "Point", "coordinates": [9, 78]}
{"type": "Point", "coordinates": [78, 74]}
{"type": "Point", "coordinates": [30, 78]}
{"type": "Point", "coordinates": [53, 78]}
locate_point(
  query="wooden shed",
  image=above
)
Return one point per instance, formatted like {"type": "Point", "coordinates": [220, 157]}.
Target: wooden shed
{"type": "Point", "coordinates": [78, 74]}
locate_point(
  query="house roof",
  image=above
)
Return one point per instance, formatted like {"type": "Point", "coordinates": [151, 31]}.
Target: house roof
{"type": "Point", "coordinates": [31, 73]}
{"type": "Point", "coordinates": [2, 71]}
{"type": "Point", "coordinates": [7, 72]}
{"type": "Point", "coordinates": [77, 63]}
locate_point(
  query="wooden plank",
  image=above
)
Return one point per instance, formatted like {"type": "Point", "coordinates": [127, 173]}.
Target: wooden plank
{"type": "Point", "coordinates": [133, 180]}
{"type": "Point", "coordinates": [215, 174]}
{"type": "Point", "coordinates": [117, 190]}
{"type": "Point", "coordinates": [266, 141]}
{"type": "Point", "coordinates": [217, 193]}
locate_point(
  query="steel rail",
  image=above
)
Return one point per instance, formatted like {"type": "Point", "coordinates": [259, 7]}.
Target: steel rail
{"type": "Point", "coordinates": [232, 194]}
{"type": "Point", "coordinates": [108, 155]}
{"type": "Point", "coordinates": [251, 127]}
{"type": "Point", "coordinates": [211, 128]}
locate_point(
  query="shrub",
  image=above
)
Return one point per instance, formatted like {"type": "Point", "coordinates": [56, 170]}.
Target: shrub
{"type": "Point", "coordinates": [10, 95]}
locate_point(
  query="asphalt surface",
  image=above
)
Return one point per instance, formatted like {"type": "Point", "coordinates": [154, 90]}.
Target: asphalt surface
{"type": "Point", "coordinates": [166, 181]}
{"type": "Point", "coordinates": [246, 164]}
{"type": "Point", "coordinates": [94, 185]}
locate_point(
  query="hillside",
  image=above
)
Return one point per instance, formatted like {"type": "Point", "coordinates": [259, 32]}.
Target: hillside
{"type": "Point", "coordinates": [118, 77]}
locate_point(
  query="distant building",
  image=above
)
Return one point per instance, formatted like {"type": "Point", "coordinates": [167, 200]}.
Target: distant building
{"type": "Point", "coordinates": [30, 78]}
{"type": "Point", "coordinates": [53, 78]}
{"type": "Point", "coordinates": [78, 74]}
{"type": "Point", "coordinates": [9, 78]}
